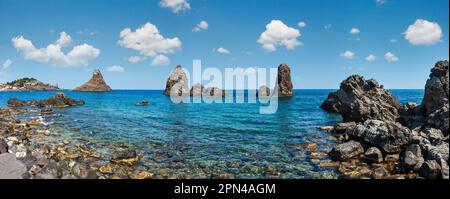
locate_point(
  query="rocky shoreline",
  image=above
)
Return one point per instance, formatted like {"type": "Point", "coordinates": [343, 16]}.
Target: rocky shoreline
{"type": "Point", "coordinates": [411, 139]}
{"type": "Point", "coordinates": [31, 150]}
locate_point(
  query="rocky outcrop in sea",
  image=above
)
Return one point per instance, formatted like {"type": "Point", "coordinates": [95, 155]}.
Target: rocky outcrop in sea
{"type": "Point", "coordinates": [60, 100]}
{"type": "Point", "coordinates": [263, 92]}
{"type": "Point", "coordinates": [177, 83]}
{"type": "Point", "coordinates": [284, 82]}
{"type": "Point", "coordinates": [95, 84]}
{"type": "Point", "coordinates": [198, 90]}
{"type": "Point", "coordinates": [412, 139]}
{"type": "Point", "coordinates": [27, 84]}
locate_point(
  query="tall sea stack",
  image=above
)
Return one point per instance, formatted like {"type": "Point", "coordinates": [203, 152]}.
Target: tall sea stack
{"type": "Point", "coordinates": [177, 83]}
{"type": "Point", "coordinates": [95, 84]}
{"type": "Point", "coordinates": [284, 81]}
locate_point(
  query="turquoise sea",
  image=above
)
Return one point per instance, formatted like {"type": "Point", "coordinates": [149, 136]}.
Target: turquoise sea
{"type": "Point", "coordinates": [203, 140]}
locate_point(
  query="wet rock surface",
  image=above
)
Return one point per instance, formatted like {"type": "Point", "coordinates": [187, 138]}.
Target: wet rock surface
{"type": "Point", "coordinates": [95, 84]}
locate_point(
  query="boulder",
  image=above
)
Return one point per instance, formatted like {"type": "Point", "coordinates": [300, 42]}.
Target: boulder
{"type": "Point", "coordinates": [388, 136]}
{"type": "Point", "coordinates": [340, 128]}
{"type": "Point", "coordinates": [412, 115]}
{"type": "Point", "coordinates": [125, 157]}
{"type": "Point", "coordinates": [284, 84]}
{"type": "Point", "coordinates": [359, 100]}
{"type": "Point", "coordinates": [10, 167]}
{"type": "Point", "coordinates": [177, 83]}
{"type": "Point", "coordinates": [197, 90]}
{"type": "Point", "coordinates": [392, 158]}
{"type": "Point", "coordinates": [373, 155]}
{"type": "Point", "coordinates": [436, 88]}
{"type": "Point", "coordinates": [263, 92]}
{"type": "Point", "coordinates": [346, 150]}
{"type": "Point", "coordinates": [60, 100]}
{"type": "Point", "coordinates": [95, 84]}
{"type": "Point", "coordinates": [430, 170]}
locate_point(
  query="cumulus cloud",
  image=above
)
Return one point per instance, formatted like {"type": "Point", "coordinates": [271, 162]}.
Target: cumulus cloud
{"type": "Point", "coordinates": [301, 24]}
{"type": "Point", "coordinates": [148, 41]}
{"type": "Point", "coordinates": [348, 55]}
{"type": "Point", "coordinates": [160, 60]}
{"type": "Point", "coordinates": [423, 32]}
{"type": "Point", "coordinates": [371, 58]}
{"type": "Point", "coordinates": [79, 55]}
{"type": "Point", "coordinates": [390, 57]}
{"type": "Point", "coordinates": [354, 31]}
{"type": "Point", "coordinates": [278, 33]}
{"type": "Point", "coordinates": [135, 59]}
{"type": "Point", "coordinates": [7, 64]}
{"type": "Point", "coordinates": [116, 69]}
{"type": "Point", "coordinates": [203, 25]}
{"type": "Point", "coordinates": [175, 5]}
{"type": "Point", "coordinates": [222, 50]}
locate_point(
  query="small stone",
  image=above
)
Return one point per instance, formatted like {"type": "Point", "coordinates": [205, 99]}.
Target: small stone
{"type": "Point", "coordinates": [373, 154]}
{"type": "Point", "coordinates": [392, 158]}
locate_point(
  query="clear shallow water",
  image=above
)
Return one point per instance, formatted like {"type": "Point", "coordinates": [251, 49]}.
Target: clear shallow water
{"type": "Point", "coordinates": [200, 140]}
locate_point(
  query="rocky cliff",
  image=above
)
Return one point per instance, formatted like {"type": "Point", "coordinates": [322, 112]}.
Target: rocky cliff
{"type": "Point", "coordinates": [95, 84]}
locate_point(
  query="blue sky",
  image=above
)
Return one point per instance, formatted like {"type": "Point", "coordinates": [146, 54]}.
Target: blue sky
{"type": "Point", "coordinates": [235, 26]}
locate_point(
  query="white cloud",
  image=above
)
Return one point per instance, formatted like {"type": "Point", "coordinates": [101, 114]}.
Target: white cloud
{"type": "Point", "coordinates": [371, 58]}
{"type": "Point", "coordinates": [117, 69]}
{"type": "Point", "coordinates": [390, 57]}
{"type": "Point", "coordinates": [7, 64]}
{"type": "Point", "coordinates": [222, 50]}
{"type": "Point", "coordinates": [160, 60]}
{"type": "Point", "coordinates": [64, 39]}
{"type": "Point", "coordinates": [393, 40]}
{"type": "Point", "coordinates": [354, 31]}
{"type": "Point", "coordinates": [381, 2]}
{"type": "Point", "coordinates": [278, 33]}
{"type": "Point", "coordinates": [423, 32]}
{"type": "Point", "coordinates": [301, 24]}
{"type": "Point", "coordinates": [135, 59]}
{"type": "Point", "coordinates": [327, 27]}
{"type": "Point", "coordinates": [79, 55]}
{"type": "Point", "coordinates": [348, 55]}
{"type": "Point", "coordinates": [148, 41]}
{"type": "Point", "coordinates": [175, 5]}
{"type": "Point", "coordinates": [203, 25]}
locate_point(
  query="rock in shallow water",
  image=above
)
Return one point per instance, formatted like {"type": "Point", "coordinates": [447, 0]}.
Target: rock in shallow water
{"type": "Point", "coordinates": [346, 150]}
{"type": "Point", "coordinates": [125, 157]}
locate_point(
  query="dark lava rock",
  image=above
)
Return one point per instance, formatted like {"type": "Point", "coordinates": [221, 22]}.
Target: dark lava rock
{"type": "Point", "coordinates": [342, 127]}
{"type": "Point", "coordinates": [177, 83]}
{"type": "Point", "coordinates": [346, 150]}
{"type": "Point", "coordinates": [359, 100]}
{"type": "Point", "coordinates": [3, 146]}
{"type": "Point", "coordinates": [374, 155]}
{"type": "Point", "coordinates": [284, 88]}
{"type": "Point", "coordinates": [388, 136]}
{"type": "Point", "coordinates": [411, 115]}
{"type": "Point", "coordinates": [392, 158]}
{"type": "Point", "coordinates": [95, 84]}
{"type": "Point", "coordinates": [60, 100]}
{"type": "Point", "coordinates": [436, 88]}
{"type": "Point", "coordinates": [430, 170]}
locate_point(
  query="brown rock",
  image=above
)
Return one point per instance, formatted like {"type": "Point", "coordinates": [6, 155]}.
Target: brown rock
{"type": "Point", "coordinates": [284, 83]}
{"type": "Point", "coordinates": [95, 84]}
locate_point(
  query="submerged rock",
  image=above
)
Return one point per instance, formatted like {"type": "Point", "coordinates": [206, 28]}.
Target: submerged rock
{"type": "Point", "coordinates": [284, 83]}
{"type": "Point", "coordinates": [177, 83]}
{"type": "Point", "coordinates": [125, 157]}
{"type": "Point", "coordinates": [10, 167]}
{"type": "Point", "coordinates": [346, 150]}
{"type": "Point", "coordinates": [95, 84]}
{"type": "Point", "coordinates": [359, 100]}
